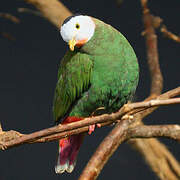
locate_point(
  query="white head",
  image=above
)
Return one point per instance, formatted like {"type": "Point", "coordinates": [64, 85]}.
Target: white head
{"type": "Point", "coordinates": [77, 30]}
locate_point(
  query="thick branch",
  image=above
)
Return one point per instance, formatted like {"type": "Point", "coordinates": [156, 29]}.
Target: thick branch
{"type": "Point", "coordinates": [142, 131]}
{"type": "Point", "coordinates": [154, 152]}
{"type": "Point", "coordinates": [153, 103]}
{"type": "Point", "coordinates": [61, 131]}
{"type": "Point", "coordinates": [120, 134]}
{"type": "Point", "coordinates": [117, 136]}
{"type": "Point", "coordinates": [53, 10]}
{"type": "Point", "coordinates": [152, 51]}
{"type": "Point", "coordinates": [158, 158]}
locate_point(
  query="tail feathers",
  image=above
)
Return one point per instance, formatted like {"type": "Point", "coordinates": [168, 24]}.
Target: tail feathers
{"type": "Point", "coordinates": [59, 169]}
{"type": "Point", "coordinates": [68, 151]}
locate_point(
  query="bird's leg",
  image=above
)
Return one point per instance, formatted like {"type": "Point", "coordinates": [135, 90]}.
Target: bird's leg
{"type": "Point", "coordinates": [92, 127]}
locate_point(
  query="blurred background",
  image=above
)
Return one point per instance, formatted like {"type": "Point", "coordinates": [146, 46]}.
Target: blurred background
{"type": "Point", "coordinates": [28, 75]}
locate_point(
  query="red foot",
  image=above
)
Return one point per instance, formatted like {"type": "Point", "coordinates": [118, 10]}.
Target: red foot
{"type": "Point", "coordinates": [91, 128]}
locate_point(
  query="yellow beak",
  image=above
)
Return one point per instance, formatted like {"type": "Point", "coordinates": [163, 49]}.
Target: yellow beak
{"type": "Point", "coordinates": [72, 43]}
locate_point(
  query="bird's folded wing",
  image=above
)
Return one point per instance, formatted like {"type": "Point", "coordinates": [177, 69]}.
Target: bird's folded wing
{"type": "Point", "coordinates": [73, 80]}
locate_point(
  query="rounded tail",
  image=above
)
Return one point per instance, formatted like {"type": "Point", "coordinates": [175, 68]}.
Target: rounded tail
{"type": "Point", "coordinates": [68, 151]}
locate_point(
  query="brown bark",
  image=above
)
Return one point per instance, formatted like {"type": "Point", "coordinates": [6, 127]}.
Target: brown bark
{"type": "Point", "coordinates": [12, 138]}
{"type": "Point", "coordinates": [53, 10]}
{"type": "Point", "coordinates": [105, 150]}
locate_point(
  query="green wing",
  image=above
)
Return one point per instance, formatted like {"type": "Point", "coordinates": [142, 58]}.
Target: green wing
{"type": "Point", "coordinates": [73, 80]}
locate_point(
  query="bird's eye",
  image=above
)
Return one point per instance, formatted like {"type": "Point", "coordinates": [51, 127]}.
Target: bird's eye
{"type": "Point", "coordinates": [77, 26]}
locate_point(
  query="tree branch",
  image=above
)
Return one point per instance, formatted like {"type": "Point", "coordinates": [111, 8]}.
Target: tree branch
{"type": "Point", "coordinates": [153, 103]}
{"type": "Point", "coordinates": [154, 152]}
{"type": "Point", "coordinates": [169, 34]}
{"type": "Point", "coordinates": [53, 10]}
{"type": "Point", "coordinates": [10, 17]}
{"type": "Point", "coordinates": [158, 158]}
{"type": "Point", "coordinates": [120, 134]}
{"type": "Point", "coordinates": [142, 131]}
{"type": "Point", "coordinates": [152, 51]}
{"type": "Point", "coordinates": [105, 150]}
{"type": "Point", "coordinates": [30, 11]}
{"type": "Point", "coordinates": [157, 23]}
{"type": "Point", "coordinates": [64, 130]}
{"type": "Point", "coordinates": [0, 127]}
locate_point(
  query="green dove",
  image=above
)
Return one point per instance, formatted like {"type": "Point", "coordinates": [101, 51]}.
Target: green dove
{"type": "Point", "coordinates": [98, 74]}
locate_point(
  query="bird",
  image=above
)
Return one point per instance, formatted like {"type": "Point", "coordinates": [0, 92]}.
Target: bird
{"type": "Point", "coordinates": [98, 74]}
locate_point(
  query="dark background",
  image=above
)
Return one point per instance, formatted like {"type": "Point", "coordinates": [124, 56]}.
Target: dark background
{"type": "Point", "coordinates": [28, 74]}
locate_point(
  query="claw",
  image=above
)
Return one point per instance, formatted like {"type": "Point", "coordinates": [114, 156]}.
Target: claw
{"type": "Point", "coordinates": [98, 125]}
{"type": "Point", "coordinates": [91, 129]}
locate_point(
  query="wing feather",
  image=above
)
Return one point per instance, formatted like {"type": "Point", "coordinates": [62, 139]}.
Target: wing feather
{"type": "Point", "coordinates": [73, 80]}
